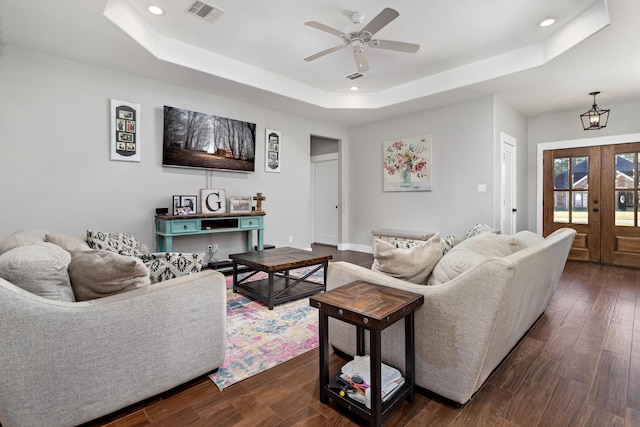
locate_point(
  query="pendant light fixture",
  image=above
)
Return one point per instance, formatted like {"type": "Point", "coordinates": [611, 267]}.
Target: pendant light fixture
{"type": "Point", "coordinates": [595, 118]}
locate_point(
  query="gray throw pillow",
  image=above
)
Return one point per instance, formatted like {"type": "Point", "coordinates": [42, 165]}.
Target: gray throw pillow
{"type": "Point", "coordinates": [40, 269]}
{"type": "Point", "coordinates": [22, 238]}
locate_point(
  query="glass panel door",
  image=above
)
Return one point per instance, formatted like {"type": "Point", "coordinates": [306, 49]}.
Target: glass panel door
{"type": "Point", "coordinates": [571, 196]}
{"type": "Point", "coordinates": [626, 186]}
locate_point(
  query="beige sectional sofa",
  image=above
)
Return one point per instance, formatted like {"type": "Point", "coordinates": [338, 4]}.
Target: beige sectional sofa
{"type": "Point", "coordinates": [65, 362]}
{"type": "Point", "coordinates": [497, 288]}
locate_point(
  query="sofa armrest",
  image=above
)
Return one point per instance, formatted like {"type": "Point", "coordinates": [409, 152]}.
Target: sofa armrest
{"type": "Point", "coordinates": [67, 363]}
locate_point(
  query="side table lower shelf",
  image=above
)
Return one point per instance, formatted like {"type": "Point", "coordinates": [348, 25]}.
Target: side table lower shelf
{"type": "Point", "coordinates": [360, 409]}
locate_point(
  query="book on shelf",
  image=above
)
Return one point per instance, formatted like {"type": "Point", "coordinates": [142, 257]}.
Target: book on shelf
{"type": "Point", "coordinates": [388, 389]}
{"type": "Point", "coordinates": [391, 378]}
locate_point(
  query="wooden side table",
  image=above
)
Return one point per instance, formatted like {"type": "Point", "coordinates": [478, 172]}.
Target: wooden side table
{"type": "Point", "coordinates": [374, 308]}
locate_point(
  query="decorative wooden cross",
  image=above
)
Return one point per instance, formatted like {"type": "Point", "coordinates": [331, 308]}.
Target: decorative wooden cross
{"type": "Point", "coordinates": [259, 198]}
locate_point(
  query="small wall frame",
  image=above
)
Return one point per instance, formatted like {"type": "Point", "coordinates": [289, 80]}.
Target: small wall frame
{"type": "Point", "coordinates": [273, 140]}
{"type": "Point", "coordinates": [125, 131]}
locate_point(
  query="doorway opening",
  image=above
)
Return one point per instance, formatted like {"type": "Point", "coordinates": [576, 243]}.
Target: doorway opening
{"type": "Point", "coordinates": [326, 217]}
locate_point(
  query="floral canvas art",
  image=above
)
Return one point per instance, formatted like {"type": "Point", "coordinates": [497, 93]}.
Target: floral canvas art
{"type": "Point", "coordinates": [407, 164]}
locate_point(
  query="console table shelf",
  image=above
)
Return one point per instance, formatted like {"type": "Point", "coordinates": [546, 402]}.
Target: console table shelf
{"type": "Point", "coordinates": [170, 226]}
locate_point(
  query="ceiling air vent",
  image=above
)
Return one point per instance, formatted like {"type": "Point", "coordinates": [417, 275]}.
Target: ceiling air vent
{"type": "Point", "coordinates": [354, 76]}
{"type": "Point", "coordinates": [204, 11]}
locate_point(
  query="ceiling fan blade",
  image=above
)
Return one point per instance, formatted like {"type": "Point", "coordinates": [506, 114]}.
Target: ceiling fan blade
{"type": "Point", "coordinates": [323, 53]}
{"type": "Point", "coordinates": [325, 28]}
{"type": "Point", "coordinates": [361, 60]}
{"type": "Point", "coordinates": [393, 45]}
{"type": "Point", "coordinates": [382, 19]}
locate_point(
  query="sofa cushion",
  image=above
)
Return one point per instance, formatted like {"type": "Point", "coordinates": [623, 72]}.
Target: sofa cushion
{"type": "Point", "coordinates": [22, 238]}
{"type": "Point", "coordinates": [100, 273]}
{"type": "Point", "coordinates": [40, 269]}
{"type": "Point", "coordinates": [66, 242]}
{"type": "Point", "coordinates": [522, 240]}
{"type": "Point", "coordinates": [454, 264]}
{"type": "Point", "coordinates": [168, 265]}
{"type": "Point", "coordinates": [121, 243]}
{"type": "Point", "coordinates": [413, 264]}
{"type": "Point", "coordinates": [468, 254]}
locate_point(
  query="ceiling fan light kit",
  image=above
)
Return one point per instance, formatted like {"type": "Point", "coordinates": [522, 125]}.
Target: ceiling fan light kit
{"type": "Point", "coordinates": [359, 40]}
{"type": "Point", "coordinates": [596, 118]}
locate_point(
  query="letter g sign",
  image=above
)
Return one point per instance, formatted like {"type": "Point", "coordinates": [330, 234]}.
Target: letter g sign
{"type": "Point", "coordinates": [213, 201]}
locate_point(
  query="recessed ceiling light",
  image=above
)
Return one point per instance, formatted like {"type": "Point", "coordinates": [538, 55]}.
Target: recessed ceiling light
{"type": "Point", "coordinates": [547, 22]}
{"type": "Point", "coordinates": [354, 88]}
{"type": "Point", "coordinates": [155, 10]}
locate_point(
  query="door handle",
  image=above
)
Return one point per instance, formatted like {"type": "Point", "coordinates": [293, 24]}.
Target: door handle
{"type": "Point", "coordinates": [514, 210]}
{"type": "Point", "coordinates": [595, 209]}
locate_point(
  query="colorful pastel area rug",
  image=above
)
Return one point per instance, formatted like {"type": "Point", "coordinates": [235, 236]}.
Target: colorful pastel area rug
{"type": "Point", "coordinates": [259, 338]}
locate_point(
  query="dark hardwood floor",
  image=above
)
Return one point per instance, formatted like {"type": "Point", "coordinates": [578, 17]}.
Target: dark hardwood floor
{"type": "Point", "coordinates": [578, 366]}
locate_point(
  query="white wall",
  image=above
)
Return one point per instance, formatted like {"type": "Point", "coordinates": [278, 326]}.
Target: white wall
{"type": "Point", "coordinates": [463, 157]}
{"type": "Point", "coordinates": [56, 173]}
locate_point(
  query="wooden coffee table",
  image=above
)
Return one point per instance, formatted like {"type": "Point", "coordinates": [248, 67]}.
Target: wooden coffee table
{"type": "Point", "coordinates": [279, 286]}
{"type": "Point", "coordinates": [374, 308]}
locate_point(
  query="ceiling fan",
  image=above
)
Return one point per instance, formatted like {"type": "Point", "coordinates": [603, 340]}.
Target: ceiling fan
{"type": "Point", "coordinates": [359, 39]}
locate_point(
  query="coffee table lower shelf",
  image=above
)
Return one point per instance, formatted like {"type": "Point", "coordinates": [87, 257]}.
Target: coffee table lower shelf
{"type": "Point", "coordinates": [285, 288]}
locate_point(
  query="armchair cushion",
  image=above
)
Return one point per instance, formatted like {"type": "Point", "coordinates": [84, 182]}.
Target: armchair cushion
{"type": "Point", "coordinates": [40, 269]}
{"type": "Point", "coordinates": [100, 273]}
{"type": "Point", "coordinates": [413, 264]}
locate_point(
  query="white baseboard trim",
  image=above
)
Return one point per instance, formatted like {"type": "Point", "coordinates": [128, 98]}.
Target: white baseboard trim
{"type": "Point", "coordinates": [355, 247]}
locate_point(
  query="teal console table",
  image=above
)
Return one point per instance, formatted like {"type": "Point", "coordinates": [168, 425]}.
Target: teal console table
{"type": "Point", "coordinates": [170, 226]}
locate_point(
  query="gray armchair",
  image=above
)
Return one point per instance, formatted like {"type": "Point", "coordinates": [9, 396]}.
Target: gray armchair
{"type": "Point", "coordinates": [65, 363]}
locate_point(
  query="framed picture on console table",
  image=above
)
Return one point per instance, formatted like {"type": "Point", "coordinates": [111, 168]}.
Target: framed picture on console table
{"type": "Point", "coordinates": [189, 204]}
{"type": "Point", "coordinates": [240, 204]}
{"type": "Point", "coordinates": [185, 205]}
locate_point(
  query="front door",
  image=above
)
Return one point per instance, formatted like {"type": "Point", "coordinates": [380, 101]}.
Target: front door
{"type": "Point", "coordinates": [621, 240]}
{"type": "Point", "coordinates": [571, 198]}
{"type": "Point", "coordinates": [595, 191]}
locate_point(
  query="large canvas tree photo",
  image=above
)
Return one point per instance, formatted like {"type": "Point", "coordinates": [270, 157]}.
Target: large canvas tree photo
{"type": "Point", "coordinates": [200, 140]}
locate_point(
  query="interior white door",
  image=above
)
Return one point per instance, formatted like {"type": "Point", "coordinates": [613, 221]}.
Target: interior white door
{"type": "Point", "coordinates": [325, 184]}
{"type": "Point", "coordinates": [509, 210]}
